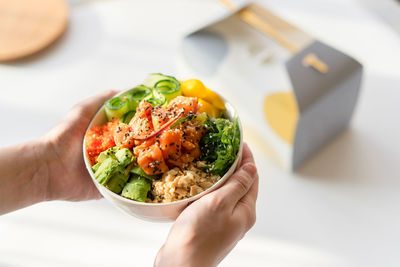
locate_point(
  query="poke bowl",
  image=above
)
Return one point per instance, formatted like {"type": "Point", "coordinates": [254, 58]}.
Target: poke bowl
{"type": "Point", "coordinates": [153, 149]}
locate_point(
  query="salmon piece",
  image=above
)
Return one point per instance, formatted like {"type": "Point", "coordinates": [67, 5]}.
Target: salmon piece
{"type": "Point", "coordinates": [123, 136]}
{"type": "Point", "coordinates": [141, 123]}
{"type": "Point", "coordinates": [160, 116]}
{"type": "Point", "coordinates": [189, 153]}
{"type": "Point", "coordinates": [192, 134]}
{"type": "Point", "coordinates": [171, 144]}
{"type": "Point", "coordinates": [141, 146]}
{"type": "Point", "coordinates": [195, 152]}
{"type": "Point", "coordinates": [152, 161]}
{"type": "Point", "coordinates": [181, 162]}
{"type": "Point", "coordinates": [175, 146]}
{"type": "Point", "coordinates": [141, 127]}
{"type": "Point", "coordinates": [190, 149]}
{"type": "Point", "coordinates": [144, 109]}
{"type": "Point", "coordinates": [188, 145]}
{"type": "Point", "coordinates": [182, 105]}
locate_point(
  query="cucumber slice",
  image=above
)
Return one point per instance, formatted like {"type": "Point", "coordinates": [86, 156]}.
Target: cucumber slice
{"type": "Point", "coordinates": [127, 117]}
{"type": "Point", "coordinates": [169, 88]}
{"type": "Point", "coordinates": [116, 107]}
{"type": "Point", "coordinates": [137, 94]}
{"type": "Point", "coordinates": [153, 78]}
{"type": "Point", "coordinates": [156, 99]}
{"type": "Point", "coordinates": [166, 85]}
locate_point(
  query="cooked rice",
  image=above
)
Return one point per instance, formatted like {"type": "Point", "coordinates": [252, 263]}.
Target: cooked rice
{"type": "Point", "coordinates": [177, 184]}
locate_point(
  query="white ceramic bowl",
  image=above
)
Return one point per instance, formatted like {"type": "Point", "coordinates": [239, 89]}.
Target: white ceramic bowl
{"type": "Point", "coordinates": [157, 211]}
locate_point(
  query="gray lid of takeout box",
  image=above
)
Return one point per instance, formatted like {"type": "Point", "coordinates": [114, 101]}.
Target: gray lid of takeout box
{"type": "Point", "coordinates": [325, 101]}
{"type": "Point", "coordinates": [203, 49]}
{"type": "Point", "coordinates": [224, 13]}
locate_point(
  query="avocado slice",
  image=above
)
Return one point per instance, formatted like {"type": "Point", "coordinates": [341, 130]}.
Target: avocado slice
{"type": "Point", "coordinates": [106, 170]}
{"type": "Point", "coordinates": [96, 167]}
{"type": "Point", "coordinates": [107, 154]}
{"type": "Point", "coordinates": [136, 188]}
{"type": "Point", "coordinates": [124, 156]}
{"type": "Point", "coordinates": [138, 171]}
{"type": "Point", "coordinates": [112, 169]}
{"type": "Point", "coordinates": [117, 182]}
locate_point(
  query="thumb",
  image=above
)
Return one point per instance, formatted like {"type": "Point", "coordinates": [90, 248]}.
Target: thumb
{"type": "Point", "coordinates": [241, 181]}
{"type": "Point", "coordinates": [88, 107]}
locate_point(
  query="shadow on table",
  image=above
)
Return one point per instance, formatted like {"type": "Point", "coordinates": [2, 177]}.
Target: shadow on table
{"type": "Point", "coordinates": [351, 158]}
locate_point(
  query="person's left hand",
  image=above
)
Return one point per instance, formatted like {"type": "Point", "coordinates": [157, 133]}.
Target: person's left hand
{"type": "Point", "coordinates": [67, 177]}
{"type": "Point", "coordinates": [208, 229]}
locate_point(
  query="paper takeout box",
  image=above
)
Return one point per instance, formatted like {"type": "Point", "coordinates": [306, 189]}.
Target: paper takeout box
{"type": "Point", "coordinates": [288, 110]}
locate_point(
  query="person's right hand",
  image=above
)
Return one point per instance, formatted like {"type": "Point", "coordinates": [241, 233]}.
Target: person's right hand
{"type": "Point", "coordinates": [208, 229]}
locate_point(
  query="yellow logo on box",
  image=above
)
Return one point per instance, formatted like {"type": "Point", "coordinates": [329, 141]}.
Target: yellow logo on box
{"type": "Point", "coordinates": [282, 114]}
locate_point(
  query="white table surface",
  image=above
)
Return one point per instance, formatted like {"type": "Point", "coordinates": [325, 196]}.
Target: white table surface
{"type": "Point", "coordinates": [340, 209]}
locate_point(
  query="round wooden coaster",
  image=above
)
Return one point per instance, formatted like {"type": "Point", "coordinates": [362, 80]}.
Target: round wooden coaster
{"type": "Point", "coordinates": [28, 26]}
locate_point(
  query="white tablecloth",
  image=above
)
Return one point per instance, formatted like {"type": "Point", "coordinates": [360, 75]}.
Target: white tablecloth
{"type": "Point", "coordinates": [339, 209]}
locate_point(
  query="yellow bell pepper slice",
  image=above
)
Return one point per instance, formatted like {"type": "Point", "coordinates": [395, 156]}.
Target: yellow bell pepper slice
{"type": "Point", "coordinates": [208, 108]}
{"type": "Point", "coordinates": [213, 98]}
{"type": "Point", "coordinates": [196, 88]}
{"type": "Point", "coordinates": [193, 88]}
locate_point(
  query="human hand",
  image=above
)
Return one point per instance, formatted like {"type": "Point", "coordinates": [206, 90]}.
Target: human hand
{"type": "Point", "coordinates": [67, 177]}
{"type": "Point", "coordinates": [208, 229]}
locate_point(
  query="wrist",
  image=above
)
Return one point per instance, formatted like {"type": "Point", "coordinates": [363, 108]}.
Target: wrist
{"type": "Point", "coordinates": [40, 177]}
{"type": "Point", "coordinates": [173, 256]}
{"type": "Point", "coordinates": [24, 178]}
{"type": "Point", "coordinates": [170, 257]}
{"type": "Point", "coordinates": [182, 254]}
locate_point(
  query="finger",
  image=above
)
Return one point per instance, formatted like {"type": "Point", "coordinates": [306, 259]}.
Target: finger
{"type": "Point", "coordinates": [247, 155]}
{"type": "Point", "coordinates": [241, 181]}
{"type": "Point", "coordinates": [81, 113]}
{"type": "Point", "coordinates": [253, 192]}
{"type": "Point", "coordinates": [248, 202]}
{"type": "Point", "coordinates": [89, 106]}
{"type": "Point", "coordinates": [245, 212]}
{"type": "Point", "coordinates": [245, 209]}
{"type": "Point", "coordinates": [250, 197]}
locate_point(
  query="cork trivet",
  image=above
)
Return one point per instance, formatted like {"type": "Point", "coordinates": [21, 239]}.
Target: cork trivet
{"type": "Point", "coordinates": [28, 26]}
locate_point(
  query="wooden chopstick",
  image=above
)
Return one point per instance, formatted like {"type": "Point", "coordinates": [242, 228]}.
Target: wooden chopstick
{"type": "Point", "coordinates": [265, 21]}
{"type": "Point", "coordinates": [289, 36]}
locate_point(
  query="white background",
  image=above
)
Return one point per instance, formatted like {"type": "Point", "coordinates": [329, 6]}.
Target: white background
{"type": "Point", "coordinates": [340, 209]}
